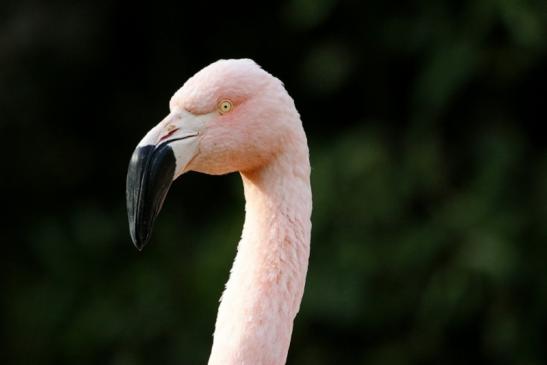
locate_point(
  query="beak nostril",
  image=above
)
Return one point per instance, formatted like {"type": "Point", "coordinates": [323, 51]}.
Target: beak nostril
{"type": "Point", "coordinates": [171, 130]}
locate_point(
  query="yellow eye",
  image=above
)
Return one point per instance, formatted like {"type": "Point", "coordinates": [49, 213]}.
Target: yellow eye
{"type": "Point", "coordinates": [225, 106]}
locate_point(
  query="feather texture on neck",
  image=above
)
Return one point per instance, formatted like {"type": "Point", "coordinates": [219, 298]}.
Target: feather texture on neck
{"type": "Point", "coordinates": [266, 284]}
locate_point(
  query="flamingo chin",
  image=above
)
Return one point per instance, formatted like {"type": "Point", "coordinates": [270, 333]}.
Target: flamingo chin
{"type": "Point", "coordinates": [232, 116]}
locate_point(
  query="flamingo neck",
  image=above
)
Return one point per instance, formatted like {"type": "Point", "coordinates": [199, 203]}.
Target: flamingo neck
{"type": "Point", "coordinates": [263, 294]}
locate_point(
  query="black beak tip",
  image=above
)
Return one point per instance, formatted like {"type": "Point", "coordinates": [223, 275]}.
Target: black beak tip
{"type": "Point", "coordinates": [149, 177]}
{"type": "Point", "coordinates": [139, 245]}
{"type": "Point", "coordinates": [140, 240]}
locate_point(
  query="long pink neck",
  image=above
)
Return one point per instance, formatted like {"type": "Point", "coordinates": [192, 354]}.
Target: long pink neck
{"type": "Point", "coordinates": [263, 294]}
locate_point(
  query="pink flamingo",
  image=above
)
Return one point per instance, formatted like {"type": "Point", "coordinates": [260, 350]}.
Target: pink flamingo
{"type": "Point", "coordinates": [234, 116]}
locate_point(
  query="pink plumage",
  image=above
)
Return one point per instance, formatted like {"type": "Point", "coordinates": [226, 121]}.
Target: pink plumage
{"type": "Point", "coordinates": [260, 135]}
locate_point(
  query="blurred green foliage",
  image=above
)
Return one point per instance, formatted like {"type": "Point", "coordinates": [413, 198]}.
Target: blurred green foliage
{"type": "Point", "coordinates": [429, 176]}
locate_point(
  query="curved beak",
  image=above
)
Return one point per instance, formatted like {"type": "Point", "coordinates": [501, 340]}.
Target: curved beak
{"type": "Point", "coordinates": [162, 155]}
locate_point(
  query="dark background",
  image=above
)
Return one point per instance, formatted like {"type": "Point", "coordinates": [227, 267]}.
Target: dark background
{"type": "Point", "coordinates": [425, 124]}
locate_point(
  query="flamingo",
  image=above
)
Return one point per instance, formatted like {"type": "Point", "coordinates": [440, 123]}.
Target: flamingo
{"type": "Point", "coordinates": [234, 116]}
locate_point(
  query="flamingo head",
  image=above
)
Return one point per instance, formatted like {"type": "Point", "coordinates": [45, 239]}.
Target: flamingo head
{"type": "Point", "coordinates": [230, 116]}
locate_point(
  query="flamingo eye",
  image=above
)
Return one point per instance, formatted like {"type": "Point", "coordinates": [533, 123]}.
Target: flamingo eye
{"type": "Point", "coordinates": [224, 106]}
